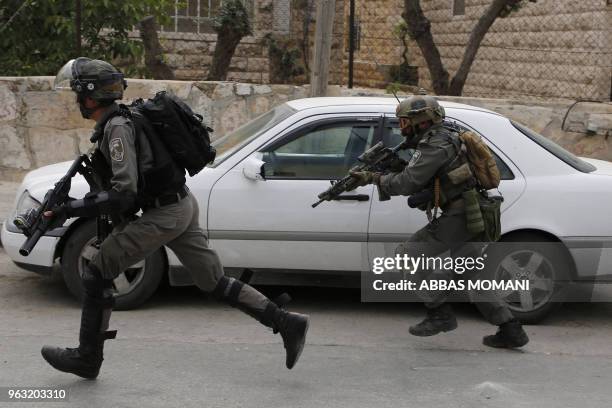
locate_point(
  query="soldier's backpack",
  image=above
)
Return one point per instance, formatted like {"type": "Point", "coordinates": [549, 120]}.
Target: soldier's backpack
{"type": "Point", "coordinates": [481, 159]}
{"type": "Point", "coordinates": [181, 130]}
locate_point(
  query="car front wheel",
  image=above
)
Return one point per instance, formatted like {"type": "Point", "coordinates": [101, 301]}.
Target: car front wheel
{"type": "Point", "coordinates": [131, 288]}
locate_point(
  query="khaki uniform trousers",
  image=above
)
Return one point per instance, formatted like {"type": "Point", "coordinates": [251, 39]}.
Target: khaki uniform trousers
{"type": "Point", "coordinates": [175, 226]}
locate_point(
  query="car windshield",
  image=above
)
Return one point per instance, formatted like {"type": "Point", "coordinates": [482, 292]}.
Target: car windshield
{"type": "Point", "coordinates": [235, 140]}
{"type": "Point", "coordinates": [555, 149]}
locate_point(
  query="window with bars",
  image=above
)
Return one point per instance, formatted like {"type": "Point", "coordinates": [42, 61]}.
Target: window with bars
{"type": "Point", "coordinates": [195, 16]}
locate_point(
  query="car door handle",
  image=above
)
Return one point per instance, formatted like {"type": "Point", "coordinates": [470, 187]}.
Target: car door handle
{"type": "Point", "coordinates": [353, 197]}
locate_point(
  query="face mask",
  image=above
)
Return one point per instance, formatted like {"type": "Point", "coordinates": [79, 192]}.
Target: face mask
{"type": "Point", "coordinates": [409, 133]}
{"type": "Point", "coordinates": [85, 111]}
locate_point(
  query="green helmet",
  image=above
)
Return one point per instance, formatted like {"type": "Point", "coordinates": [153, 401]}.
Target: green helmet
{"type": "Point", "coordinates": [96, 79]}
{"type": "Point", "coordinates": [420, 108]}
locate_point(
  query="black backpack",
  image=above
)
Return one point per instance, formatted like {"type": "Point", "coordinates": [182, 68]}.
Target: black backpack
{"type": "Point", "coordinates": [181, 130]}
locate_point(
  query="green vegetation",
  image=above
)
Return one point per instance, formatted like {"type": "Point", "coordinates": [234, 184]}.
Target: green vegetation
{"type": "Point", "coordinates": [38, 36]}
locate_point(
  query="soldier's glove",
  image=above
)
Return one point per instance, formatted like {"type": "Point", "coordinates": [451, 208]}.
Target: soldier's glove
{"type": "Point", "coordinates": [365, 177]}
{"type": "Point", "coordinates": [59, 213]}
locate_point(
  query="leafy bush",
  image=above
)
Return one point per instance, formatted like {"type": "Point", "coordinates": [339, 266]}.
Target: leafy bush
{"type": "Point", "coordinates": [37, 37]}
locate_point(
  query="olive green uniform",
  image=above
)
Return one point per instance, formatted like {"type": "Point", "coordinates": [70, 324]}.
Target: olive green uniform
{"type": "Point", "coordinates": [436, 154]}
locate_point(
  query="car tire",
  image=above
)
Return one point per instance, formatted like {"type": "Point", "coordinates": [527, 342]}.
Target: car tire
{"type": "Point", "coordinates": [552, 274]}
{"type": "Point", "coordinates": [132, 288]}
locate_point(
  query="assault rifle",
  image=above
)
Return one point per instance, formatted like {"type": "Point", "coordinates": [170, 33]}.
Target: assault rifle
{"type": "Point", "coordinates": [33, 222]}
{"type": "Point", "coordinates": [376, 159]}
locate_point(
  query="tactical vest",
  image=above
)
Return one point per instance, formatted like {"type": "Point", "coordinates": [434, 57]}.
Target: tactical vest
{"type": "Point", "coordinates": [454, 176]}
{"type": "Point", "coordinates": [157, 173]}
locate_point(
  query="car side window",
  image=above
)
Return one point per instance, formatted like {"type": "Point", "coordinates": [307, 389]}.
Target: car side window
{"type": "Point", "coordinates": [392, 136]}
{"type": "Point", "coordinates": [327, 151]}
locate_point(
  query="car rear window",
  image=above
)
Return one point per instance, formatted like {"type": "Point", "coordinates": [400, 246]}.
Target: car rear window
{"type": "Point", "coordinates": [556, 150]}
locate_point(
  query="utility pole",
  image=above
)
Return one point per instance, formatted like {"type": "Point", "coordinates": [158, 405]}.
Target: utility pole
{"type": "Point", "coordinates": [351, 43]}
{"type": "Point", "coordinates": [326, 9]}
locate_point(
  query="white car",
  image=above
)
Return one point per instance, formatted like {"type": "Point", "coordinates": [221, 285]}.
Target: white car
{"type": "Point", "coordinates": [255, 204]}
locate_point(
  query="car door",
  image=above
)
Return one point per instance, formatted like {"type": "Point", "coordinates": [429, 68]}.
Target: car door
{"type": "Point", "coordinates": [271, 224]}
{"type": "Point", "coordinates": [393, 221]}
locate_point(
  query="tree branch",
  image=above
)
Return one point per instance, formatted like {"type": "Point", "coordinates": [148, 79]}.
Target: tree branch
{"type": "Point", "coordinates": [476, 36]}
{"type": "Point", "coordinates": [419, 29]}
{"type": "Point", "coordinates": [154, 53]}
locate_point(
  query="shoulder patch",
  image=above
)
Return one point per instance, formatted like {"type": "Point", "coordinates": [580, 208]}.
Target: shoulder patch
{"type": "Point", "coordinates": [116, 150]}
{"type": "Point", "coordinates": [415, 158]}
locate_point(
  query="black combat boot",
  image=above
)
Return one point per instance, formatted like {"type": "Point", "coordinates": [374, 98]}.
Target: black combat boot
{"type": "Point", "coordinates": [438, 319]}
{"type": "Point", "coordinates": [291, 326]}
{"type": "Point", "coordinates": [509, 335]}
{"type": "Point", "coordinates": [74, 360]}
{"type": "Point", "coordinates": [86, 360]}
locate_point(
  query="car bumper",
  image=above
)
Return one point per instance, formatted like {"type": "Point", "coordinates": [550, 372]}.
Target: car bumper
{"type": "Point", "coordinates": [42, 256]}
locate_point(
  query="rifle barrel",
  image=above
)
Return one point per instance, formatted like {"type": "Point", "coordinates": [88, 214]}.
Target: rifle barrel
{"type": "Point", "coordinates": [30, 243]}
{"type": "Point", "coordinates": [317, 203]}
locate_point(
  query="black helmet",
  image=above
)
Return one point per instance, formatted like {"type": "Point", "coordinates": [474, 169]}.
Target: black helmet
{"type": "Point", "coordinates": [96, 79]}
{"type": "Point", "coordinates": [420, 108]}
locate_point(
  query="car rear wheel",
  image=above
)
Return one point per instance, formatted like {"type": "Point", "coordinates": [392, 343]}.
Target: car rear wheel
{"type": "Point", "coordinates": [530, 258]}
{"type": "Point", "coordinates": [131, 288]}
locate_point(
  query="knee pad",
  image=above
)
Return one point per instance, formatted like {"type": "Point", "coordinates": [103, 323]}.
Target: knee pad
{"type": "Point", "coordinates": [228, 289]}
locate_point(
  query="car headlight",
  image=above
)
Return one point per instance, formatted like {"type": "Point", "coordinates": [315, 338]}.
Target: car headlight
{"type": "Point", "coordinates": [25, 203]}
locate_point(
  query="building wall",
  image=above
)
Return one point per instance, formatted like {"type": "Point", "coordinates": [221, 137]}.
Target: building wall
{"type": "Point", "coordinates": [189, 54]}
{"type": "Point", "coordinates": [303, 27]}
{"type": "Point", "coordinates": [552, 48]}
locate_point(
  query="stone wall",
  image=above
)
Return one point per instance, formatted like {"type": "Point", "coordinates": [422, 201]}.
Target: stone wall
{"type": "Point", "coordinates": [39, 126]}
{"type": "Point", "coordinates": [377, 47]}
{"type": "Point", "coordinates": [552, 48]}
{"type": "Point", "coordinates": [190, 54]}
{"type": "Point", "coordinates": [303, 26]}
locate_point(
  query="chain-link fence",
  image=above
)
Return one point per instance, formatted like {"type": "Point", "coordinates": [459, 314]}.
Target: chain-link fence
{"type": "Point", "coordinates": [547, 49]}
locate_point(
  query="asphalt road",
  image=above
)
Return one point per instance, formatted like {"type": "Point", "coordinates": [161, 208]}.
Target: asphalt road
{"type": "Point", "coordinates": [184, 350]}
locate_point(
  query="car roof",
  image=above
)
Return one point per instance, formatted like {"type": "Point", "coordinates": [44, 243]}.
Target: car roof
{"type": "Point", "coordinates": [390, 101]}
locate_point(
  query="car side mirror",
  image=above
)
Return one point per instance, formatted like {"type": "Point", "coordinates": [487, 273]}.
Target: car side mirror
{"type": "Point", "coordinates": [253, 168]}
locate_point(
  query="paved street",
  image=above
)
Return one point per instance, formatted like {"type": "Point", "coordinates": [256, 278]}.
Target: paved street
{"type": "Point", "coordinates": [182, 349]}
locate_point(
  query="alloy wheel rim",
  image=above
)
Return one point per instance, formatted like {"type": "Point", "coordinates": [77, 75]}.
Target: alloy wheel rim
{"type": "Point", "coordinates": [533, 266]}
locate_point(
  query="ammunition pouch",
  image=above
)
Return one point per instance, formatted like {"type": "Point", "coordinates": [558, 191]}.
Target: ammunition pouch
{"type": "Point", "coordinates": [460, 175]}
{"type": "Point", "coordinates": [490, 208]}
{"type": "Point", "coordinates": [473, 215]}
